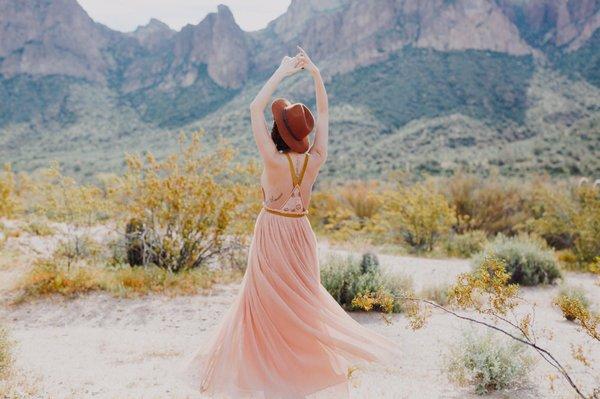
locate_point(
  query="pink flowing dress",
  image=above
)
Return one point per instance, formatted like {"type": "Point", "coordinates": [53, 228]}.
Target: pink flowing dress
{"type": "Point", "coordinates": [284, 336]}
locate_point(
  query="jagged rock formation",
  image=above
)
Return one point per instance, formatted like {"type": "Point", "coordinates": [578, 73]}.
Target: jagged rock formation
{"type": "Point", "coordinates": [47, 37]}
{"type": "Point", "coordinates": [440, 71]}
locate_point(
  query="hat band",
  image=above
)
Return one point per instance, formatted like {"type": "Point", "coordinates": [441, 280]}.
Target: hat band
{"type": "Point", "coordinates": [287, 125]}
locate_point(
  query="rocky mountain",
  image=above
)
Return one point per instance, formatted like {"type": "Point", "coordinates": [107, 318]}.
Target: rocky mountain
{"type": "Point", "coordinates": [154, 35]}
{"type": "Point", "coordinates": [56, 37]}
{"type": "Point", "coordinates": [441, 77]}
{"type": "Point", "coordinates": [554, 22]}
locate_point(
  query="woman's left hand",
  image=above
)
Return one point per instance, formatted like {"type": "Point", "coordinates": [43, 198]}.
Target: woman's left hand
{"type": "Point", "coordinates": [304, 61]}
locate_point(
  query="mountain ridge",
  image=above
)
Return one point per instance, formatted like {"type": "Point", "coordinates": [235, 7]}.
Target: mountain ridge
{"type": "Point", "coordinates": [66, 80]}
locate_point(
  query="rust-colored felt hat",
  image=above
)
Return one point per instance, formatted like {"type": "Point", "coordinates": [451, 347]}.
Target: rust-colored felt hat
{"type": "Point", "coordinates": [294, 123]}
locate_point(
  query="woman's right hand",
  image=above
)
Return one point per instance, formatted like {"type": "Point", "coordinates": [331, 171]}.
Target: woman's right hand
{"type": "Point", "coordinates": [289, 66]}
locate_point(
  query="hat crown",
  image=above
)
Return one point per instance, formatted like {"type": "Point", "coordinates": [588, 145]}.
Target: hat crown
{"type": "Point", "coordinates": [298, 120]}
{"type": "Point", "coordinates": [294, 123]}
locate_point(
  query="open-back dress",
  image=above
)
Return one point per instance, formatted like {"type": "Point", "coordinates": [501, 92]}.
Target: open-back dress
{"type": "Point", "coordinates": [284, 336]}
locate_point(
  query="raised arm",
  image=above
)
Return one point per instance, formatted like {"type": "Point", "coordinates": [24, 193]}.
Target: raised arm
{"type": "Point", "coordinates": [260, 130]}
{"type": "Point", "coordinates": [319, 147]}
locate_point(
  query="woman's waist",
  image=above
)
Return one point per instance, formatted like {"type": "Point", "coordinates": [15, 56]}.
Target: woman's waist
{"type": "Point", "coordinates": [285, 212]}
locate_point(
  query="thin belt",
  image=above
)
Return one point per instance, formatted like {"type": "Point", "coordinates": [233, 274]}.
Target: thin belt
{"type": "Point", "coordinates": [284, 213]}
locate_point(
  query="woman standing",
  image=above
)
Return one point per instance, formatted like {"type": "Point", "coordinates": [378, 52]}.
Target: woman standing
{"type": "Point", "coordinates": [285, 336]}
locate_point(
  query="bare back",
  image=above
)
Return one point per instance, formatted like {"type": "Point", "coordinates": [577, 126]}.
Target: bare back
{"type": "Point", "coordinates": [277, 179]}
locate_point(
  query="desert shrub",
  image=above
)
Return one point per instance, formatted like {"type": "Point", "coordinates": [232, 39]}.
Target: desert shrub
{"type": "Point", "coordinates": [488, 363]}
{"type": "Point", "coordinates": [369, 263]}
{"type": "Point", "coordinates": [134, 231]}
{"type": "Point", "coordinates": [398, 285]}
{"type": "Point", "coordinates": [587, 224]}
{"type": "Point", "coordinates": [345, 279]}
{"type": "Point", "coordinates": [567, 259]}
{"type": "Point", "coordinates": [527, 260]}
{"type": "Point", "coordinates": [61, 198]}
{"type": "Point", "coordinates": [8, 200]}
{"type": "Point", "coordinates": [466, 244]}
{"type": "Point", "coordinates": [235, 256]}
{"type": "Point", "coordinates": [52, 276]}
{"type": "Point", "coordinates": [127, 281]}
{"type": "Point", "coordinates": [494, 204]}
{"type": "Point", "coordinates": [5, 353]}
{"type": "Point", "coordinates": [346, 212]}
{"type": "Point", "coordinates": [38, 228]}
{"type": "Point", "coordinates": [78, 247]}
{"type": "Point", "coordinates": [419, 215]}
{"type": "Point", "coordinates": [185, 206]}
{"type": "Point", "coordinates": [437, 293]}
{"type": "Point", "coordinates": [568, 217]}
{"type": "Point", "coordinates": [571, 302]}
{"type": "Point", "coordinates": [361, 198]}
{"type": "Point", "coordinates": [552, 209]}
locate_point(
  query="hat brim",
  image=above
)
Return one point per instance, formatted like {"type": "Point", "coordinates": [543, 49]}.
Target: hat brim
{"type": "Point", "coordinates": [296, 145]}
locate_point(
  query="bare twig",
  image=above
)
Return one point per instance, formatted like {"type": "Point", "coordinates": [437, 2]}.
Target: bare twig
{"type": "Point", "coordinates": [544, 353]}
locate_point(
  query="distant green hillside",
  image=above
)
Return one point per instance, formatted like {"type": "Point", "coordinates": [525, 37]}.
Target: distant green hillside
{"type": "Point", "coordinates": [174, 108]}
{"type": "Point", "coordinates": [420, 111]}
{"type": "Point", "coordinates": [417, 83]}
{"type": "Point", "coordinates": [583, 63]}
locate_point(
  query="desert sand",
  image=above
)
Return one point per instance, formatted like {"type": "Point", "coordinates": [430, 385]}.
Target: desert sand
{"type": "Point", "coordinates": [98, 346]}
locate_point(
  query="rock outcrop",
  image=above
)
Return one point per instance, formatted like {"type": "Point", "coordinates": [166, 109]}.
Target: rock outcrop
{"type": "Point", "coordinates": [57, 37]}
{"type": "Point", "coordinates": [51, 37]}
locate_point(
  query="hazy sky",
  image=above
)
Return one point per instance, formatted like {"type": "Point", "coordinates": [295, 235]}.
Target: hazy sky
{"type": "Point", "coordinates": [126, 15]}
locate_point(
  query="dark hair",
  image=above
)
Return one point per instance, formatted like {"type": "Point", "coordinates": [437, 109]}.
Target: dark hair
{"type": "Point", "coordinates": [279, 143]}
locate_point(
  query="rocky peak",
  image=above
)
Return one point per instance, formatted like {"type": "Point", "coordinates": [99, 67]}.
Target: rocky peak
{"type": "Point", "coordinates": [44, 37]}
{"type": "Point", "coordinates": [346, 34]}
{"type": "Point", "coordinates": [218, 42]}
{"type": "Point", "coordinates": [554, 22]}
{"type": "Point", "coordinates": [466, 24]}
{"type": "Point", "coordinates": [154, 34]}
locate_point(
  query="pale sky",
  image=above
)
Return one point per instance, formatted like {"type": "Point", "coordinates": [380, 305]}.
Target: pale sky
{"type": "Point", "coordinates": [126, 15]}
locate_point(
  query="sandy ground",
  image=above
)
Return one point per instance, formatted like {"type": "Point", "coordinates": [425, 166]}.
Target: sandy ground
{"type": "Point", "coordinates": [101, 347]}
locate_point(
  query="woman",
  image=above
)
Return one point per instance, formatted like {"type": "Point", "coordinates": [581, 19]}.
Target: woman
{"type": "Point", "coordinates": [285, 336]}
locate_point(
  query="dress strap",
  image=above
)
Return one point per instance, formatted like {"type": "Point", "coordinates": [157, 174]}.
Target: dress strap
{"type": "Point", "coordinates": [297, 180]}
{"type": "Point", "coordinates": [303, 168]}
{"type": "Point", "coordinates": [292, 170]}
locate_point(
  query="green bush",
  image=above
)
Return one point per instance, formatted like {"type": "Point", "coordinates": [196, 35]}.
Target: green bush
{"type": "Point", "coordinates": [529, 261]}
{"type": "Point", "coordinates": [369, 263]}
{"type": "Point", "coordinates": [347, 277]}
{"type": "Point", "coordinates": [465, 245]}
{"type": "Point", "coordinates": [488, 363]}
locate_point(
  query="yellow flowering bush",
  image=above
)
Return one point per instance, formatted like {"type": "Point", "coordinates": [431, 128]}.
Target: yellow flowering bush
{"type": "Point", "coordinates": [188, 205]}
{"type": "Point", "coordinates": [494, 204]}
{"type": "Point", "coordinates": [62, 199]}
{"type": "Point", "coordinates": [8, 200]}
{"type": "Point", "coordinates": [419, 214]}
{"type": "Point", "coordinates": [6, 359]}
{"type": "Point", "coordinates": [572, 302]}
{"type": "Point", "coordinates": [569, 218]}
{"type": "Point", "coordinates": [345, 212]}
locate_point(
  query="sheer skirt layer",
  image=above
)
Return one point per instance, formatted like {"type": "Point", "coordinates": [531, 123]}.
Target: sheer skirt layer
{"type": "Point", "coordinates": [284, 336]}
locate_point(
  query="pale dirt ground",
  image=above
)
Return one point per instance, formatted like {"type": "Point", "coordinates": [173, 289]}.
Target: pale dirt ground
{"type": "Point", "coordinates": [101, 347]}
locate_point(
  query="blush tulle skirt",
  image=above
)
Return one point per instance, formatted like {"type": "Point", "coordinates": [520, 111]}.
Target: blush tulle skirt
{"type": "Point", "coordinates": [284, 336]}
